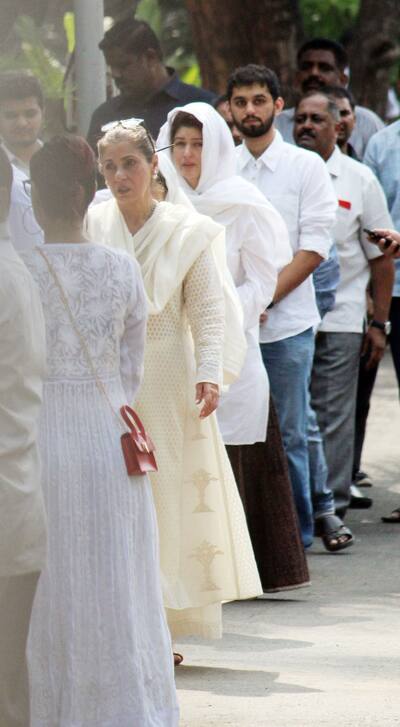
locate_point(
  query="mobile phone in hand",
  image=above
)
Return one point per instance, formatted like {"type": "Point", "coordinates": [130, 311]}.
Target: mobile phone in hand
{"type": "Point", "coordinates": [375, 238]}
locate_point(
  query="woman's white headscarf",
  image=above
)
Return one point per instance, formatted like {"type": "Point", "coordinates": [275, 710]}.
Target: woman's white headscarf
{"type": "Point", "coordinates": [221, 193]}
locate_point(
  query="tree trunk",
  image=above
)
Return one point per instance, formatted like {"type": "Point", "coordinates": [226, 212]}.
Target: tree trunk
{"type": "Point", "coordinates": [236, 32]}
{"type": "Point", "coordinates": [376, 32]}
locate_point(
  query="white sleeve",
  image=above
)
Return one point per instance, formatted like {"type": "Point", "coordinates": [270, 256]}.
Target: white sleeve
{"type": "Point", "coordinates": [375, 214]}
{"type": "Point", "coordinates": [134, 335]}
{"type": "Point", "coordinates": [257, 258]}
{"type": "Point", "coordinates": [204, 304]}
{"type": "Point", "coordinates": [318, 207]}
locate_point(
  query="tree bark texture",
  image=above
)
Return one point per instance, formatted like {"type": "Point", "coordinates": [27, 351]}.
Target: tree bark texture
{"type": "Point", "coordinates": [374, 50]}
{"type": "Point", "coordinates": [236, 32]}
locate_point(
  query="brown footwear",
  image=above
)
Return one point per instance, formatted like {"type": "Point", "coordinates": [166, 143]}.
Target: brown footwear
{"type": "Point", "coordinates": [178, 658]}
{"type": "Point", "coordinates": [394, 516]}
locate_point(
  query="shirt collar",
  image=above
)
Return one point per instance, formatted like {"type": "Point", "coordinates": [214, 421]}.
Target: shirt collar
{"type": "Point", "coordinates": [334, 163]}
{"type": "Point", "coordinates": [16, 161]}
{"type": "Point", "coordinates": [270, 157]}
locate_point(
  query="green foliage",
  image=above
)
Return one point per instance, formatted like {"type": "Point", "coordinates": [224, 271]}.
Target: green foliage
{"type": "Point", "coordinates": [170, 22]}
{"type": "Point", "coordinates": [328, 18]}
{"type": "Point", "coordinates": [34, 56]}
{"type": "Point", "coordinates": [69, 28]}
{"type": "Point", "coordinates": [150, 12]}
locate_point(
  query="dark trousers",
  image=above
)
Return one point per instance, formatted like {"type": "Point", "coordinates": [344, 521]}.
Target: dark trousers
{"type": "Point", "coordinates": [366, 381]}
{"type": "Point", "coordinates": [394, 339]}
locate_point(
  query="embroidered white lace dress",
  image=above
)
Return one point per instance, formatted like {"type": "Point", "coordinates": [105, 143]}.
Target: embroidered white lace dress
{"type": "Point", "coordinates": [99, 651]}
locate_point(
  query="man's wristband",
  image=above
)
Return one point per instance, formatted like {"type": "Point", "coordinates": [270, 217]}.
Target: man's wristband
{"type": "Point", "coordinates": [386, 327]}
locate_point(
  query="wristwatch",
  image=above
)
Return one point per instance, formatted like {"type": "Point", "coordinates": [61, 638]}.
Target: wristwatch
{"type": "Point", "coordinates": [385, 327]}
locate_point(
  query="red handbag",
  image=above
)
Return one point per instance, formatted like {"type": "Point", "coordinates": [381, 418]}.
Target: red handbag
{"type": "Point", "coordinates": [137, 446]}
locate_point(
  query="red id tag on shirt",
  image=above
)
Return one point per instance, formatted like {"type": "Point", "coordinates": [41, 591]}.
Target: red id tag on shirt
{"type": "Point", "coordinates": [345, 204]}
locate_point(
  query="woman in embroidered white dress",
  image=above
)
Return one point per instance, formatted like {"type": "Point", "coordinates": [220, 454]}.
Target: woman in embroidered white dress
{"type": "Point", "coordinates": [257, 244]}
{"type": "Point", "coordinates": [206, 554]}
{"type": "Point", "coordinates": [99, 652]}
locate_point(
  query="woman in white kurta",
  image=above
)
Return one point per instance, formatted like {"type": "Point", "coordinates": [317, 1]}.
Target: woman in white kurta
{"type": "Point", "coordinates": [257, 244]}
{"type": "Point", "coordinates": [206, 554]}
{"type": "Point", "coordinates": [99, 652]}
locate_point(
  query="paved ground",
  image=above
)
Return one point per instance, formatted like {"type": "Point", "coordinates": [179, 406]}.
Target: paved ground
{"type": "Point", "coordinates": [328, 655]}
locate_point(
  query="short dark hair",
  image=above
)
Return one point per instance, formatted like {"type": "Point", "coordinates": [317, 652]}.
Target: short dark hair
{"type": "Point", "coordinates": [340, 92]}
{"type": "Point", "coordinates": [6, 171]}
{"type": "Point", "coordinates": [60, 169]}
{"type": "Point", "coordinates": [131, 35]}
{"type": "Point", "coordinates": [222, 98]}
{"type": "Point", "coordinates": [338, 51]}
{"type": "Point", "coordinates": [17, 85]}
{"type": "Point", "coordinates": [330, 102]}
{"type": "Point", "coordinates": [182, 118]}
{"type": "Point", "coordinates": [252, 73]}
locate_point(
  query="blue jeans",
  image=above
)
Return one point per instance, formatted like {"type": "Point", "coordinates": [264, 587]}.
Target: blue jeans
{"type": "Point", "coordinates": [288, 363]}
{"type": "Point", "coordinates": [322, 497]}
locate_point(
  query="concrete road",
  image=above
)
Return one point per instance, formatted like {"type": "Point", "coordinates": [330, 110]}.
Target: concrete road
{"type": "Point", "coordinates": [324, 656]}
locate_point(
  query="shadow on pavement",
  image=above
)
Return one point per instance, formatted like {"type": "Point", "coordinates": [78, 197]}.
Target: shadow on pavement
{"type": "Point", "coordinates": [245, 642]}
{"type": "Point", "coordinates": [235, 682]}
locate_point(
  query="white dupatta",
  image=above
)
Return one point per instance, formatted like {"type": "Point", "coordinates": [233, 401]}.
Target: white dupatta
{"type": "Point", "coordinates": [166, 247]}
{"type": "Point", "coordinates": [221, 193]}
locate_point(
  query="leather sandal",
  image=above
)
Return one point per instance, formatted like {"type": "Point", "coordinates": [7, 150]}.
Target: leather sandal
{"type": "Point", "coordinates": [178, 658]}
{"type": "Point", "coordinates": [331, 528]}
{"type": "Point", "coordinates": [394, 516]}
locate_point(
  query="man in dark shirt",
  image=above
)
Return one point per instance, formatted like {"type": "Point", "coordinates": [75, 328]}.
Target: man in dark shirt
{"type": "Point", "coordinates": [148, 89]}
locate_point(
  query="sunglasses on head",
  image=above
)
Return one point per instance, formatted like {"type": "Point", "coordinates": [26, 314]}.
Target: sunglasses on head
{"type": "Point", "coordinates": [132, 124]}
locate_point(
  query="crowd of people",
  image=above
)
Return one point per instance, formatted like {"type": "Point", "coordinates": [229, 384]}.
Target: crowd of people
{"type": "Point", "coordinates": [235, 280]}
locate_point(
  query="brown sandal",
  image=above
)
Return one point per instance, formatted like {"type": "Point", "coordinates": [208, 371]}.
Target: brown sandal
{"type": "Point", "coordinates": [178, 658]}
{"type": "Point", "coordinates": [335, 536]}
{"type": "Point", "coordinates": [394, 516]}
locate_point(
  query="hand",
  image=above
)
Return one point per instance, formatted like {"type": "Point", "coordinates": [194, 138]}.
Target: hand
{"type": "Point", "coordinates": [209, 393]}
{"type": "Point", "coordinates": [264, 317]}
{"type": "Point", "coordinates": [374, 344]}
{"type": "Point", "coordinates": [392, 250]}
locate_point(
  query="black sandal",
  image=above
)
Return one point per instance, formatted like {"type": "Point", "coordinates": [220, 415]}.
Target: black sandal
{"type": "Point", "coordinates": [394, 516]}
{"type": "Point", "coordinates": [330, 528]}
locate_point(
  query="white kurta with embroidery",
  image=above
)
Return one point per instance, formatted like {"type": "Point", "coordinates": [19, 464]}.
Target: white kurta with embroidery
{"type": "Point", "coordinates": [206, 554]}
{"type": "Point", "coordinates": [100, 653]}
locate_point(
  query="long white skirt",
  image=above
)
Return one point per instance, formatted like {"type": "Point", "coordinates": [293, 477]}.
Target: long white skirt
{"type": "Point", "coordinates": [99, 651]}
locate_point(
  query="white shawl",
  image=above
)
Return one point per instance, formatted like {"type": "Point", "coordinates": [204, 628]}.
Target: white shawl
{"type": "Point", "coordinates": [221, 193]}
{"type": "Point", "coordinates": [166, 247]}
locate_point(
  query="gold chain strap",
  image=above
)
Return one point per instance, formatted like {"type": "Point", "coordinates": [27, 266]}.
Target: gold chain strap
{"type": "Point", "coordinates": [82, 341]}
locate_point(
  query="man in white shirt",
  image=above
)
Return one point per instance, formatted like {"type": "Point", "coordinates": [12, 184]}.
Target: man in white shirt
{"type": "Point", "coordinates": [298, 185]}
{"type": "Point", "coordinates": [340, 340]}
{"type": "Point", "coordinates": [22, 516]}
{"type": "Point", "coordinates": [21, 120]}
{"type": "Point", "coordinates": [21, 117]}
{"type": "Point", "coordinates": [323, 62]}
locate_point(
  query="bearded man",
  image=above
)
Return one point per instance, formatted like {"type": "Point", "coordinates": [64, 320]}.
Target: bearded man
{"type": "Point", "coordinates": [297, 183]}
